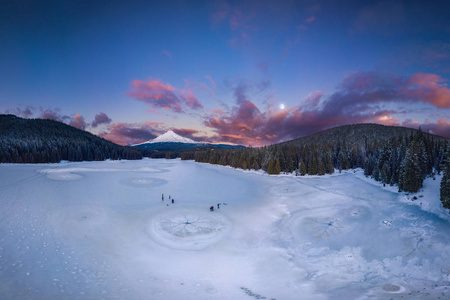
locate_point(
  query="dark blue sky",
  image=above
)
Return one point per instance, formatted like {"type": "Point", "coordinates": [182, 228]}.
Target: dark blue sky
{"type": "Point", "coordinates": [250, 72]}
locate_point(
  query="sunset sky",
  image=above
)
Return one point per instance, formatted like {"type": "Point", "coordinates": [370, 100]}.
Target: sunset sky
{"type": "Point", "coordinates": [244, 72]}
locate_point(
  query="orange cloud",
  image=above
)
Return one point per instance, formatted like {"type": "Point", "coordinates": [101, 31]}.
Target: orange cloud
{"type": "Point", "coordinates": [78, 122]}
{"type": "Point", "coordinates": [429, 88]}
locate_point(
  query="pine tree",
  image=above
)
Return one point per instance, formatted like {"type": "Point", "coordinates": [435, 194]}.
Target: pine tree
{"type": "Point", "coordinates": [277, 167]}
{"type": "Point", "coordinates": [321, 168]}
{"type": "Point", "coordinates": [270, 168]}
{"type": "Point", "coordinates": [303, 171]}
{"type": "Point", "coordinates": [411, 177]}
{"type": "Point", "coordinates": [445, 182]}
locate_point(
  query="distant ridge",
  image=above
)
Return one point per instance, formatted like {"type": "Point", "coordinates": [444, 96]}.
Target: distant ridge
{"type": "Point", "coordinates": [48, 141]}
{"type": "Point", "coordinates": [357, 134]}
{"type": "Point", "coordinates": [172, 142]}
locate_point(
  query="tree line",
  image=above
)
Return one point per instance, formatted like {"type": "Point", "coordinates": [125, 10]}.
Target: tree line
{"type": "Point", "coordinates": [48, 141]}
{"type": "Point", "coordinates": [405, 160]}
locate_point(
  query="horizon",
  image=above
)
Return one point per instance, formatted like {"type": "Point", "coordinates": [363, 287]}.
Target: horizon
{"type": "Point", "coordinates": [244, 73]}
{"type": "Point", "coordinates": [250, 146]}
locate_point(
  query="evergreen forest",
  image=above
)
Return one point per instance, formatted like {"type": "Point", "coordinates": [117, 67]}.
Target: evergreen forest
{"type": "Point", "coordinates": [48, 141]}
{"type": "Point", "coordinates": [401, 156]}
{"type": "Point", "coordinates": [398, 156]}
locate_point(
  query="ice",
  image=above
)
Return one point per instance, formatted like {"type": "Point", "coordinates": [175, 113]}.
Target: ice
{"type": "Point", "coordinates": [188, 230]}
{"type": "Point", "coordinates": [99, 230]}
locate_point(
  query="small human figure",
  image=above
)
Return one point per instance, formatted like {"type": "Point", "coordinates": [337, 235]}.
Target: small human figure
{"type": "Point", "coordinates": [169, 197]}
{"type": "Point", "coordinates": [218, 205]}
{"type": "Point", "coordinates": [173, 200]}
{"type": "Point", "coordinates": [162, 197]}
{"type": "Point", "coordinates": [211, 208]}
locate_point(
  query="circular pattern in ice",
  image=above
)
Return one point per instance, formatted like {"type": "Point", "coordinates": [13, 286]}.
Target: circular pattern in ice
{"type": "Point", "coordinates": [393, 288]}
{"type": "Point", "coordinates": [188, 230]}
{"type": "Point", "coordinates": [63, 176]}
{"type": "Point", "coordinates": [143, 182]}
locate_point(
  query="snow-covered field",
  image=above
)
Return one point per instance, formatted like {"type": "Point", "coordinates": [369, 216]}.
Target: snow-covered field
{"type": "Point", "coordinates": [99, 230]}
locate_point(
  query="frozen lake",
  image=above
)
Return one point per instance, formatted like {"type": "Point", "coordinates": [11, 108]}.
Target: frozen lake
{"type": "Point", "coordinates": [100, 230]}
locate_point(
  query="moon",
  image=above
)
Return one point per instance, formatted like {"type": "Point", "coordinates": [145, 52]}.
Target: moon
{"type": "Point", "coordinates": [281, 106]}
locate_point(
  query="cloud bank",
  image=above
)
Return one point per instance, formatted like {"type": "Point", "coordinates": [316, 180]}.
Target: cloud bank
{"type": "Point", "coordinates": [362, 97]}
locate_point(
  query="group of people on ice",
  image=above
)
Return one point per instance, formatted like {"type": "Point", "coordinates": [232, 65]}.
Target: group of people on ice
{"type": "Point", "coordinates": [162, 199]}
{"type": "Point", "coordinates": [173, 201]}
{"type": "Point", "coordinates": [218, 206]}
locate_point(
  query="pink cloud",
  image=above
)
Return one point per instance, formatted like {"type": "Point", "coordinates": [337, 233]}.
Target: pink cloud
{"type": "Point", "coordinates": [133, 133]}
{"type": "Point", "coordinates": [190, 99]}
{"type": "Point", "coordinates": [429, 88]}
{"type": "Point", "coordinates": [53, 114]}
{"type": "Point", "coordinates": [302, 27]}
{"type": "Point", "coordinates": [78, 122]}
{"type": "Point", "coordinates": [362, 97]}
{"type": "Point", "coordinates": [100, 118]}
{"type": "Point", "coordinates": [313, 99]}
{"type": "Point", "coordinates": [211, 81]}
{"type": "Point", "coordinates": [388, 121]}
{"type": "Point", "coordinates": [162, 95]}
{"type": "Point", "coordinates": [310, 19]}
{"type": "Point", "coordinates": [441, 127]}
{"type": "Point", "coordinates": [386, 87]}
{"type": "Point", "coordinates": [189, 133]}
{"type": "Point", "coordinates": [219, 112]}
{"type": "Point", "coordinates": [20, 112]}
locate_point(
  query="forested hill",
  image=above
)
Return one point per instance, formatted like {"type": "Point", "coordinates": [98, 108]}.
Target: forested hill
{"type": "Point", "coordinates": [392, 155]}
{"type": "Point", "coordinates": [44, 141]}
{"type": "Point", "coordinates": [359, 134]}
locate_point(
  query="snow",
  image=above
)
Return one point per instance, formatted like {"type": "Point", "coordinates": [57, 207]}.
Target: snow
{"type": "Point", "coordinates": [170, 137]}
{"type": "Point", "coordinates": [99, 230]}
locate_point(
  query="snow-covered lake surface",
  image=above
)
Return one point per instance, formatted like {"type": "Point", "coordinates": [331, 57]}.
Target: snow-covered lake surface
{"type": "Point", "coordinates": [100, 230]}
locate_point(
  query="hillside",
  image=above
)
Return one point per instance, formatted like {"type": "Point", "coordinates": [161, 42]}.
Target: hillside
{"type": "Point", "coordinates": [359, 134]}
{"type": "Point", "coordinates": [392, 155]}
{"type": "Point", "coordinates": [43, 141]}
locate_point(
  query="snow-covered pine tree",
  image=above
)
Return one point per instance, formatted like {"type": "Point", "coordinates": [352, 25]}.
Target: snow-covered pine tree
{"type": "Point", "coordinates": [411, 178]}
{"type": "Point", "coordinates": [445, 183]}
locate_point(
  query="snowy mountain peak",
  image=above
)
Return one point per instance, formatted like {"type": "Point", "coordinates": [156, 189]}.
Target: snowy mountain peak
{"type": "Point", "coordinates": [172, 137]}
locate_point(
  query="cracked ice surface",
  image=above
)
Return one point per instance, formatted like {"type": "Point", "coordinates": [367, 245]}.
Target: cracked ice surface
{"type": "Point", "coordinates": [188, 230]}
{"type": "Point", "coordinates": [100, 230]}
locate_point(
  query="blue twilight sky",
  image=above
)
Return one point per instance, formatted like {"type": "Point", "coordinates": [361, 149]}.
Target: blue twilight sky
{"type": "Point", "coordinates": [245, 72]}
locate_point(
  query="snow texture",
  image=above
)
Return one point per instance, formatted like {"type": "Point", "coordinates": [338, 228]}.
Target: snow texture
{"type": "Point", "coordinates": [100, 230]}
{"type": "Point", "coordinates": [170, 137]}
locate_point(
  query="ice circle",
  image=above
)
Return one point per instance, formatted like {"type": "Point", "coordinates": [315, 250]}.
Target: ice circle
{"type": "Point", "coordinates": [63, 176]}
{"type": "Point", "coordinates": [393, 288]}
{"type": "Point", "coordinates": [143, 182]}
{"type": "Point", "coordinates": [188, 230]}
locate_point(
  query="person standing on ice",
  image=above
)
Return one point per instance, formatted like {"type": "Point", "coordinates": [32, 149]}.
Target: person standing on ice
{"type": "Point", "coordinates": [173, 200]}
{"type": "Point", "coordinates": [218, 205]}
{"type": "Point", "coordinates": [162, 197]}
{"type": "Point", "coordinates": [211, 208]}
